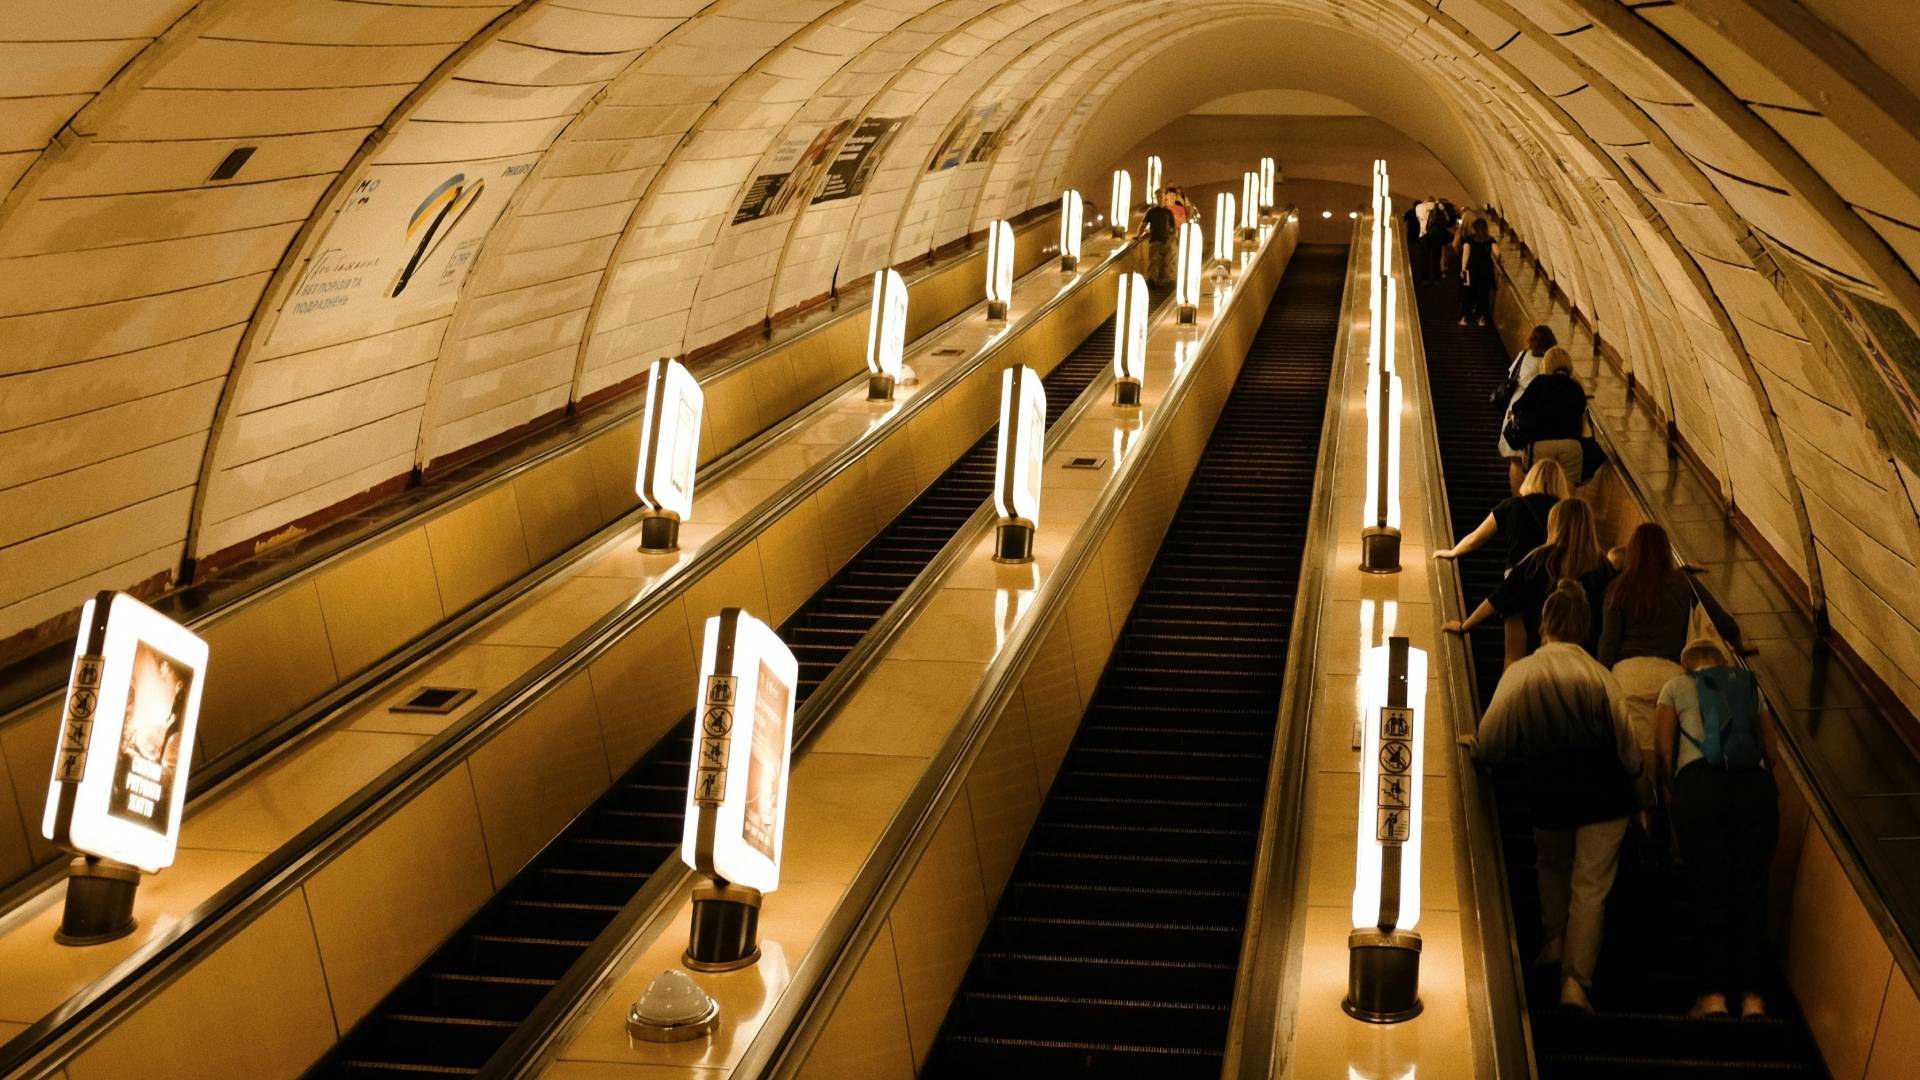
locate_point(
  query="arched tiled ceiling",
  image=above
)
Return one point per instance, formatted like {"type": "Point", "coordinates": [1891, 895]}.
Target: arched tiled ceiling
{"type": "Point", "coordinates": [1717, 183]}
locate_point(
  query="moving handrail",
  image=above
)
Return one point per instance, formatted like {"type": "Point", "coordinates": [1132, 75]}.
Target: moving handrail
{"type": "Point", "coordinates": [216, 920]}
{"type": "Point", "coordinates": [643, 918]}
{"type": "Point", "coordinates": [799, 1018]}
{"type": "Point", "coordinates": [209, 774]}
{"type": "Point", "coordinates": [1263, 1010]}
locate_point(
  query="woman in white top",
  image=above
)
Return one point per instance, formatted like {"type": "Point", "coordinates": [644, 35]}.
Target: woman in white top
{"type": "Point", "coordinates": [1523, 369]}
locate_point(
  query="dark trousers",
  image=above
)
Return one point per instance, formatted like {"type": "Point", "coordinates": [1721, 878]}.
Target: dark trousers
{"type": "Point", "coordinates": [1476, 298]}
{"type": "Point", "coordinates": [1726, 823]}
{"type": "Point", "coordinates": [1428, 268]}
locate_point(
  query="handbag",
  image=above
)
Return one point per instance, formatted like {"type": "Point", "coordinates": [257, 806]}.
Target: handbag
{"type": "Point", "coordinates": [1508, 387]}
{"type": "Point", "coordinates": [1592, 456]}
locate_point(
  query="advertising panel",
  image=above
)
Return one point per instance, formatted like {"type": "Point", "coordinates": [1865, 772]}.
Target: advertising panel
{"type": "Point", "coordinates": [1021, 444]}
{"type": "Point", "coordinates": [738, 779]}
{"type": "Point", "coordinates": [887, 324]}
{"type": "Point", "coordinates": [670, 438]}
{"type": "Point", "coordinates": [132, 707]}
{"type": "Point", "coordinates": [859, 156]}
{"type": "Point", "coordinates": [793, 170]}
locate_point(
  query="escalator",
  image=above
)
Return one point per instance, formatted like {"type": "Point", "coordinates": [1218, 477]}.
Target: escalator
{"type": "Point", "coordinates": [1114, 948]}
{"type": "Point", "coordinates": [1643, 983]}
{"type": "Point", "coordinates": [452, 1013]}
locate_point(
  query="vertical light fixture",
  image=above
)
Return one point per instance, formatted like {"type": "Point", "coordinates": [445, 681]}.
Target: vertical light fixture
{"type": "Point", "coordinates": [999, 270]}
{"type": "Point", "coordinates": [736, 813]}
{"type": "Point", "coordinates": [1072, 214]}
{"type": "Point", "coordinates": [1249, 204]}
{"type": "Point", "coordinates": [1021, 453]}
{"type": "Point", "coordinates": [1189, 270]}
{"type": "Point", "coordinates": [1269, 173]}
{"type": "Point", "coordinates": [1122, 213]}
{"type": "Point", "coordinates": [1129, 339]}
{"type": "Point", "coordinates": [1223, 230]}
{"type": "Point", "coordinates": [1380, 530]}
{"type": "Point", "coordinates": [886, 334]}
{"type": "Point", "coordinates": [119, 781]}
{"type": "Point", "coordinates": [1153, 176]}
{"type": "Point", "coordinates": [669, 453]}
{"type": "Point", "coordinates": [1383, 951]}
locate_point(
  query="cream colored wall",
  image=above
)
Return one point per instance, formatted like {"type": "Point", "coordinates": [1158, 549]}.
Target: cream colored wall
{"type": "Point", "coordinates": [1665, 160]}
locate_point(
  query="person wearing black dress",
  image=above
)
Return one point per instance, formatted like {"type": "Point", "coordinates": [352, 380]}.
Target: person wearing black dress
{"type": "Point", "coordinates": [1476, 274]}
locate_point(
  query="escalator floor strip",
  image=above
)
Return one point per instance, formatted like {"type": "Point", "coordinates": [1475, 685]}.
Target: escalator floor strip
{"type": "Point", "coordinates": [1643, 982]}
{"type": "Point", "coordinates": [533, 930]}
{"type": "Point", "coordinates": [1114, 947]}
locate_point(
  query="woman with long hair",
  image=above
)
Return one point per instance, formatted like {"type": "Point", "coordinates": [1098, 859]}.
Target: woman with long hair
{"type": "Point", "coordinates": [1571, 552]}
{"type": "Point", "coordinates": [1521, 519]}
{"type": "Point", "coordinates": [1644, 624]}
{"type": "Point", "coordinates": [1557, 715]}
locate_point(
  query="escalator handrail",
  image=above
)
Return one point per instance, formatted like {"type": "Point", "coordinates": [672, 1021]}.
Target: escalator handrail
{"type": "Point", "coordinates": [642, 919]}
{"type": "Point", "coordinates": [1496, 1003]}
{"type": "Point", "coordinates": [1265, 998]}
{"type": "Point", "coordinates": [799, 1017]}
{"type": "Point", "coordinates": [130, 983]}
{"type": "Point", "coordinates": [1789, 742]}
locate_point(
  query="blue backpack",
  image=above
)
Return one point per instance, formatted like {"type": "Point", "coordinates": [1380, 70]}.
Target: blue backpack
{"type": "Point", "coordinates": [1729, 718]}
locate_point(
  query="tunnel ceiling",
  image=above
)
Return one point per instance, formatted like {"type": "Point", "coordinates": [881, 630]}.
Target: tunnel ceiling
{"type": "Point", "coordinates": [191, 365]}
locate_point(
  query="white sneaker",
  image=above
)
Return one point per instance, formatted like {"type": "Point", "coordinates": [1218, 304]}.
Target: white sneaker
{"type": "Point", "coordinates": [1574, 996]}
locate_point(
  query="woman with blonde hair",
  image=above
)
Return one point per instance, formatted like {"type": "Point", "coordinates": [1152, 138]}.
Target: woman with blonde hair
{"type": "Point", "coordinates": [1548, 419]}
{"type": "Point", "coordinates": [1557, 714]}
{"type": "Point", "coordinates": [1522, 518]}
{"type": "Point", "coordinates": [1571, 552]}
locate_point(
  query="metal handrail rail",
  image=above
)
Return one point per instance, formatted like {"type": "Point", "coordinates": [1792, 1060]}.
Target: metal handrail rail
{"type": "Point", "coordinates": [131, 982]}
{"type": "Point", "coordinates": [1496, 1002]}
{"type": "Point", "coordinates": [456, 494]}
{"type": "Point", "coordinates": [1265, 997]}
{"type": "Point", "coordinates": [799, 1017]}
{"type": "Point", "coordinates": [642, 918]}
{"type": "Point", "coordinates": [1790, 742]}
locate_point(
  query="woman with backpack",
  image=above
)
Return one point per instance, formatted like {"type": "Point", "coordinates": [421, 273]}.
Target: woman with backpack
{"type": "Point", "coordinates": [1558, 715]}
{"type": "Point", "coordinates": [1710, 748]}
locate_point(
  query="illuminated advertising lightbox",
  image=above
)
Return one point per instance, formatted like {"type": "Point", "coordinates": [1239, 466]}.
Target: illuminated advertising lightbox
{"type": "Point", "coordinates": [670, 438]}
{"type": "Point", "coordinates": [887, 324]}
{"type": "Point", "coordinates": [999, 268]}
{"type": "Point", "coordinates": [126, 734]}
{"type": "Point", "coordinates": [1191, 265]}
{"type": "Point", "coordinates": [1130, 328]}
{"type": "Point", "coordinates": [1223, 219]}
{"type": "Point", "coordinates": [737, 783]}
{"type": "Point", "coordinates": [1072, 216]}
{"type": "Point", "coordinates": [1122, 201]}
{"type": "Point", "coordinates": [1386, 892]}
{"type": "Point", "coordinates": [1153, 176]}
{"type": "Point", "coordinates": [1022, 445]}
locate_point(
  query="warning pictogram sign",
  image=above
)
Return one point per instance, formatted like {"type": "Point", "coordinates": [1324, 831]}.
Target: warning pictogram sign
{"type": "Point", "coordinates": [1396, 786]}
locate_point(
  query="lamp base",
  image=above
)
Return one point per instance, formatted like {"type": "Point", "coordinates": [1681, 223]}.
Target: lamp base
{"type": "Point", "coordinates": [1126, 394]}
{"type": "Point", "coordinates": [880, 388]}
{"type": "Point", "coordinates": [1069, 263]}
{"type": "Point", "coordinates": [1013, 542]}
{"type": "Point", "coordinates": [99, 901]}
{"type": "Point", "coordinates": [996, 311]}
{"type": "Point", "coordinates": [1188, 314]}
{"type": "Point", "coordinates": [1383, 976]}
{"type": "Point", "coordinates": [1380, 550]}
{"type": "Point", "coordinates": [726, 928]}
{"type": "Point", "coordinates": [660, 531]}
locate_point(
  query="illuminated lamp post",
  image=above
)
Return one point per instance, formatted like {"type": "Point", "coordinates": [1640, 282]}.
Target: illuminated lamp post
{"type": "Point", "coordinates": [999, 270]}
{"type": "Point", "coordinates": [1189, 270]}
{"type": "Point", "coordinates": [1380, 531]}
{"type": "Point", "coordinates": [1122, 212]}
{"type": "Point", "coordinates": [1072, 218]}
{"type": "Point", "coordinates": [1383, 951]}
{"type": "Point", "coordinates": [126, 739]}
{"type": "Point", "coordinates": [1129, 339]}
{"type": "Point", "coordinates": [886, 334]}
{"type": "Point", "coordinates": [1021, 453]}
{"type": "Point", "coordinates": [1223, 234]}
{"type": "Point", "coordinates": [737, 786]}
{"type": "Point", "coordinates": [1269, 173]}
{"type": "Point", "coordinates": [669, 452]}
{"type": "Point", "coordinates": [1153, 177]}
{"type": "Point", "coordinates": [1249, 205]}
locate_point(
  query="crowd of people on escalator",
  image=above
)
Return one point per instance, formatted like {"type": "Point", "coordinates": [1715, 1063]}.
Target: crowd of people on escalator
{"type": "Point", "coordinates": [1615, 708]}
